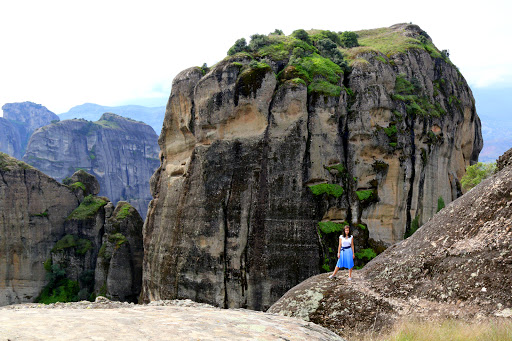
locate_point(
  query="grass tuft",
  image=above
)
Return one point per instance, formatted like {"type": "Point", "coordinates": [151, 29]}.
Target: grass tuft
{"type": "Point", "coordinates": [87, 208]}
{"type": "Point", "coordinates": [329, 189]}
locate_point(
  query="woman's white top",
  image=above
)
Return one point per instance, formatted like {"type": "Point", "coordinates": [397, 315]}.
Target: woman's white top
{"type": "Point", "coordinates": [346, 241]}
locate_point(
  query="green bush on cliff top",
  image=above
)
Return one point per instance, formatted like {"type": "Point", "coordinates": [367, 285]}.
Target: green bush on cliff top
{"type": "Point", "coordinates": [87, 208]}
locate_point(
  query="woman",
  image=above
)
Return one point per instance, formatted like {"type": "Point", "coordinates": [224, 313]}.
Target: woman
{"type": "Point", "coordinates": [345, 253]}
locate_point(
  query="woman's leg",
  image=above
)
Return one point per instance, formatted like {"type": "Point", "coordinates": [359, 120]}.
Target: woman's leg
{"type": "Point", "coordinates": [334, 273]}
{"type": "Point", "coordinates": [350, 273]}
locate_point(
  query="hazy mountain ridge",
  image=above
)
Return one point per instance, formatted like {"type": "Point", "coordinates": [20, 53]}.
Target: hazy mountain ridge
{"type": "Point", "coordinates": [152, 116]}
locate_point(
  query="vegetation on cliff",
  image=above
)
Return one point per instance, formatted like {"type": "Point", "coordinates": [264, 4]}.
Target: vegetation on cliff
{"type": "Point", "coordinates": [87, 208]}
{"type": "Point", "coordinates": [476, 173]}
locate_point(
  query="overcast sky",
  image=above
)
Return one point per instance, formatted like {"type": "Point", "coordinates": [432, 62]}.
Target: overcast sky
{"type": "Point", "coordinates": [65, 53]}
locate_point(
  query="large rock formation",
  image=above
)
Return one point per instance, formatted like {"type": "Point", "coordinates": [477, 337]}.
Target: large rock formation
{"type": "Point", "coordinates": [265, 145]}
{"type": "Point", "coordinates": [19, 121]}
{"type": "Point", "coordinates": [459, 264]}
{"type": "Point", "coordinates": [121, 153]}
{"type": "Point", "coordinates": [52, 235]}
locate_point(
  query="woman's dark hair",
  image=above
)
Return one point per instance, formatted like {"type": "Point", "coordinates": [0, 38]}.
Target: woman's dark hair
{"type": "Point", "coordinates": [344, 234]}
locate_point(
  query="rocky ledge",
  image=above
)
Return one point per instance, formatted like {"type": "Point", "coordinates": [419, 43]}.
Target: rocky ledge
{"type": "Point", "coordinates": [160, 320]}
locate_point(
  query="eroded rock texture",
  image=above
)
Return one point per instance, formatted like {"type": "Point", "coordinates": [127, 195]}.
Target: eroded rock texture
{"type": "Point", "coordinates": [52, 235]}
{"type": "Point", "coordinates": [459, 264]}
{"type": "Point", "coordinates": [33, 211]}
{"type": "Point", "coordinates": [234, 221]}
{"type": "Point", "coordinates": [121, 153]}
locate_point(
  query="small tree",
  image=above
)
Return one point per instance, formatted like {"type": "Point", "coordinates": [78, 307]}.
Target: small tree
{"type": "Point", "coordinates": [302, 35]}
{"type": "Point", "coordinates": [476, 173]}
{"type": "Point", "coordinates": [239, 46]}
{"type": "Point", "coordinates": [440, 203]}
{"type": "Point", "coordinates": [349, 39]}
{"type": "Point", "coordinates": [258, 41]}
{"type": "Point", "coordinates": [277, 32]}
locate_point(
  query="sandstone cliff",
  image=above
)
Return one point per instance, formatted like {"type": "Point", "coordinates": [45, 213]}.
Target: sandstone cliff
{"type": "Point", "coordinates": [120, 152]}
{"type": "Point", "coordinates": [458, 265]}
{"type": "Point", "coordinates": [52, 235]}
{"type": "Point", "coordinates": [268, 143]}
{"type": "Point", "coordinates": [19, 121]}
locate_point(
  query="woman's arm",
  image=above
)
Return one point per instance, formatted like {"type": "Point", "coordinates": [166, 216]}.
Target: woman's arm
{"type": "Point", "coordinates": [339, 247]}
{"type": "Point", "coordinates": [353, 252]}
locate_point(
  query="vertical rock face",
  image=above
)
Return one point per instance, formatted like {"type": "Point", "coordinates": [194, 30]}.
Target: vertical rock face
{"type": "Point", "coordinates": [119, 152]}
{"type": "Point", "coordinates": [252, 162]}
{"type": "Point", "coordinates": [33, 211]}
{"type": "Point", "coordinates": [52, 235]}
{"type": "Point", "coordinates": [119, 264]}
{"type": "Point", "coordinates": [10, 139]}
{"type": "Point", "coordinates": [19, 121]}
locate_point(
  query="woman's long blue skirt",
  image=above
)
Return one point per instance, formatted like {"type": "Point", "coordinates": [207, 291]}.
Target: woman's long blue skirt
{"type": "Point", "coordinates": [346, 260]}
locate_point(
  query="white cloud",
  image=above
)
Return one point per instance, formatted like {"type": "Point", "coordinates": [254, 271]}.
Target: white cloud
{"type": "Point", "coordinates": [65, 53]}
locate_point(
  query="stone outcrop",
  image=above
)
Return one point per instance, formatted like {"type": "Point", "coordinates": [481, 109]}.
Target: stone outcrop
{"type": "Point", "coordinates": [159, 320]}
{"type": "Point", "coordinates": [119, 264]}
{"type": "Point", "coordinates": [121, 153]}
{"type": "Point", "coordinates": [19, 121]}
{"type": "Point", "coordinates": [51, 236]}
{"type": "Point", "coordinates": [33, 211]}
{"type": "Point", "coordinates": [254, 157]}
{"type": "Point", "coordinates": [459, 264]}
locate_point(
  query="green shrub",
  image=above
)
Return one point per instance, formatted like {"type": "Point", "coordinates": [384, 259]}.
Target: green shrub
{"type": "Point", "coordinates": [476, 173]}
{"type": "Point", "coordinates": [239, 46]}
{"type": "Point", "coordinates": [324, 88]}
{"type": "Point", "coordinates": [77, 185]}
{"type": "Point", "coordinates": [440, 204]}
{"type": "Point", "coordinates": [117, 238]}
{"type": "Point", "coordinates": [329, 189]}
{"type": "Point", "coordinates": [59, 288]}
{"type": "Point", "coordinates": [339, 167]}
{"type": "Point", "coordinates": [365, 194]}
{"type": "Point", "coordinates": [67, 181]}
{"type": "Point", "coordinates": [87, 208]}
{"type": "Point", "coordinates": [348, 39]}
{"type": "Point", "coordinates": [415, 225]}
{"type": "Point", "coordinates": [368, 254]}
{"type": "Point", "coordinates": [318, 66]}
{"type": "Point", "coordinates": [258, 41]}
{"type": "Point", "coordinates": [302, 35]}
{"type": "Point", "coordinates": [124, 212]}
{"type": "Point", "coordinates": [391, 130]}
{"type": "Point", "coordinates": [327, 227]}
{"type": "Point", "coordinates": [277, 32]}
{"type": "Point", "coordinates": [70, 241]}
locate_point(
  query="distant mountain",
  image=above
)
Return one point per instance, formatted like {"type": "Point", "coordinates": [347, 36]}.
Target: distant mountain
{"type": "Point", "coordinates": [120, 152]}
{"type": "Point", "coordinates": [152, 116]}
{"type": "Point", "coordinates": [19, 121]}
{"type": "Point", "coordinates": [494, 106]}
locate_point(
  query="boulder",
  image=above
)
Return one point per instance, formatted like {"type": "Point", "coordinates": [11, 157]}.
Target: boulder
{"type": "Point", "coordinates": [457, 265]}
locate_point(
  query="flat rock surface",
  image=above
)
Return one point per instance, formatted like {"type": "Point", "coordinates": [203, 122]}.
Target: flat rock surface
{"type": "Point", "coordinates": [164, 320]}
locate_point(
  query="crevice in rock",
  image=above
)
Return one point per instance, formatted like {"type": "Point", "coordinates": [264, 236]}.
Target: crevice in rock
{"type": "Point", "coordinates": [413, 174]}
{"type": "Point", "coordinates": [225, 247]}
